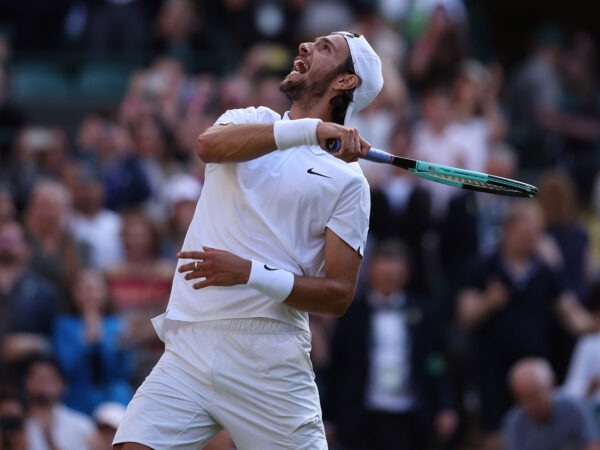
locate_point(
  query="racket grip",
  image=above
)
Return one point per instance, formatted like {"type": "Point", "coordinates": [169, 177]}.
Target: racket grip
{"type": "Point", "coordinates": [333, 145]}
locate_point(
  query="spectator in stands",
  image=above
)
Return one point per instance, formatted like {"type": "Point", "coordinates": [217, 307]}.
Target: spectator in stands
{"type": "Point", "coordinates": [471, 229]}
{"type": "Point", "coordinates": [109, 33]}
{"type": "Point", "coordinates": [249, 22]}
{"type": "Point", "coordinates": [152, 144]}
{"type": "Point", "coordinates": [390, 45]}
{"type": "Point", "coordinates": [107, 417]}
{"type": "Point", "coordinates": [533, 94]}
{"type": "Point", "coordinates": [181, 32]}
{"type": "Point", "coordinates": [50, 423]}
{"type": "Point", "coordinates": [508, 302]}
{"type": "Point", "coordinates": [435, 139]}
{"type": "Point", "coordinates": [54, 252]}
{"type": "Point", "coordinates": [544, 419]}
{"type": "Point", "coordinates": [140, 285]}
{"type": "Point", "coordinates": [108, 146]}
{"type": "Point", "coordinates": [472, 225]}
{"type": "Point", "coordinates": [583, 375]}
{"type": "Point", "coordinates": [559, 200]}
{"type": "Point", "coordinates": [12, 419]}
{"type": "Point", "coordinates": [477, 111]}
{"type": "Point", "coordinates": [387, 384]}
{"type": "Point", "coordinates": [28, 303]}
{"type": "Point", "coordinates": [181, 194]}
{"type": "Point", "coordinates": [38, 152]}
{"type": "Point", "coordinates": [91, 347]}
{"type": "Point", "coordinates": [401, 209]}
{"type": "Point", "coordinates": [438, 50]}
{"type": "Point", "coordinates": [575, 121]}
{"type": "Point", "coordinates": [95, 228]}
{"type": "Point", "coordinates": [142, 279]}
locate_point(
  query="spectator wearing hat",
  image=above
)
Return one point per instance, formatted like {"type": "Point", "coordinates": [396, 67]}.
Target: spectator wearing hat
{"type": "Point", "coordinates": [181, 194]}
{"type": "Point", "coordinates": [107, 417]}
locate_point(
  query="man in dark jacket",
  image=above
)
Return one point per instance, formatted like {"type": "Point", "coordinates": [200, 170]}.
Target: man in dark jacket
{"type": "Point", "coordinates": [386, 381]}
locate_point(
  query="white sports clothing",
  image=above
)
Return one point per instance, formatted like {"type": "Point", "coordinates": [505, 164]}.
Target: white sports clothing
{"type": "Point", "coordinates": [240, 211]}
{"type": "Point", "coordinates": [71, 430]}
{"type": "Point", "coordinates": [235, 358]}
{"type": "Point", "coordinates": [252, 377]}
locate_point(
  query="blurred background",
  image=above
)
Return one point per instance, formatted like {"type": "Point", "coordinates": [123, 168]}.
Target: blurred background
{"type": "Point", "coordinates": [100, 105]}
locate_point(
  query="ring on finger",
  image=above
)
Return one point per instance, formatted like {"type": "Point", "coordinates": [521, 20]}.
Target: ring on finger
{"type": "Point", "coordinates": [196, 266]}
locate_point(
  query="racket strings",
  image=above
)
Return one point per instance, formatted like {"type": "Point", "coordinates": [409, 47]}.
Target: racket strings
{"type": "Point", "coordinates": [476, 184]}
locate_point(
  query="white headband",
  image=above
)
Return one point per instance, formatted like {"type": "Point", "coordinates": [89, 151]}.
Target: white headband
{"type": "Point", "coordinates": [367, 67]}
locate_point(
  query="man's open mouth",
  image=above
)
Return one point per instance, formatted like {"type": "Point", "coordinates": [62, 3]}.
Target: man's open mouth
{"type": "Point", "coordinates": [300, 66]}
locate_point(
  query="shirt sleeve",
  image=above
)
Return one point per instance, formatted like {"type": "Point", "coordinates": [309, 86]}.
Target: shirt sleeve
{"type": "Point", "coordinates": [248, 115]}
{"type": "Point", "coordinates": [350, 220]}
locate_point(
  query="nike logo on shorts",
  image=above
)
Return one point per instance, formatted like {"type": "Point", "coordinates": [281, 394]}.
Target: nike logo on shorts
{"type": "Point", "coordinates": [312, 172]}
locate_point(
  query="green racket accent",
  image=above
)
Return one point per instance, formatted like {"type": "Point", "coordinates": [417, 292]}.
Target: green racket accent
{"type": "Point", "coordinates": [468, 179]}
{"type": "Point", "coordinates": [452, 176]}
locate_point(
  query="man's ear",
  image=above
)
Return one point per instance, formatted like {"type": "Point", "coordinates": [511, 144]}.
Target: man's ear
{"type": "Point", "coordinates": [346, 82]}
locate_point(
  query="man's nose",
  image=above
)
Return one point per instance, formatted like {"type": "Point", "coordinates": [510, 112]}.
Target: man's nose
{"type": "Point", "coordinates": [305, 48]}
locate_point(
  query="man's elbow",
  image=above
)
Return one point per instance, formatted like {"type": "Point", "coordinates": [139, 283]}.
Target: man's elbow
{"type": "Point", "coordinates": [206, 148]}
{"type": "Point", "coordinates": [339, 307]}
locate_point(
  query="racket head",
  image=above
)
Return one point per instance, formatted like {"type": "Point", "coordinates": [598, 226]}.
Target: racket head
{"type": "Point", "coordinates": [474, 181]}
{"type": "Point", "coordinates": [451, 176]}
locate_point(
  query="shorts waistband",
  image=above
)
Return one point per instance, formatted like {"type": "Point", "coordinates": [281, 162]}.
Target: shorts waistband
{"type": "Point", "coordinates": [258, 325]}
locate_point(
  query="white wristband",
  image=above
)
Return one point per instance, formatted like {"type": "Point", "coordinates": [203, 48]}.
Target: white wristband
{"type": "Point", "coordinates": [294, 133]}
{"type": "Point", "coordinates": [276, 283]}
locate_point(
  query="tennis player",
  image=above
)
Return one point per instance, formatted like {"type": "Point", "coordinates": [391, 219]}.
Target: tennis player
{"type": "Point", "coordinates": [278, 232]}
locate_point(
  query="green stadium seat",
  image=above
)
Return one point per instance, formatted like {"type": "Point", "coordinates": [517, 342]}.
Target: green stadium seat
{"type": "Point", "coordinates": [102, 83]}
{"type": "Point", "coordinates": [38, 82]}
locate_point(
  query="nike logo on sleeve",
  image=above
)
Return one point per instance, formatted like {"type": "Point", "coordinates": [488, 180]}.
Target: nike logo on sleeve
{"type": "Point", "coordinates": [312, 172]}
{"type": "Point", "coordinates": [269, 268]}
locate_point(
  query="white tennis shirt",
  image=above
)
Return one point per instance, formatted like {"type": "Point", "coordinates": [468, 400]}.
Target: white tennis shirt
{"type": "Point", "coordinates": [274, 209]}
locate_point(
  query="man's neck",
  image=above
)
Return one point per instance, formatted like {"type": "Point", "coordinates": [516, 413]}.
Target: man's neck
{"type": "Point", "coordinates": [309, 109]}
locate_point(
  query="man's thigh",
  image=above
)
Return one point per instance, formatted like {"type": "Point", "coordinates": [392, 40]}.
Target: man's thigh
{"type": "Point", "coordinates": [167, 412]}
{"type": "Point", "coordinates": [265, 394]}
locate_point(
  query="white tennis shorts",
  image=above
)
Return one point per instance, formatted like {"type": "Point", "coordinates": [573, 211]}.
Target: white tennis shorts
{"type": "Point", "coordinates": [252, 377]}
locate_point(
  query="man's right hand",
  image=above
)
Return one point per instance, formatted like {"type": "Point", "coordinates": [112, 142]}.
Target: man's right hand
{"type": "Point", "coordinates": [353, 146]}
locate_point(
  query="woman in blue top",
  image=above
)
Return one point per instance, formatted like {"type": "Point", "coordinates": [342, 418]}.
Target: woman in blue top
{"type": "Point", "coordinates": [90, 346]}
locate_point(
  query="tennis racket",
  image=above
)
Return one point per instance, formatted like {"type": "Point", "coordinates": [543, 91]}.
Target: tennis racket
{"type": "Point", "coordinates": [452, 176]}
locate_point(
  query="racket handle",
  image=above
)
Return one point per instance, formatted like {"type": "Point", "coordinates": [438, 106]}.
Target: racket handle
{"type": "Point", "coordinates": [333, 145]}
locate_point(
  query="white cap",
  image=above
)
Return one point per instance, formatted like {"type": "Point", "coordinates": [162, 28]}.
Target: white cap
{"type": "Point", "coordinates": [182, 187]}
{"type": "Point", "coordinates": [367, 65]}
{"type": "Point", "coordinates": [109, 413]}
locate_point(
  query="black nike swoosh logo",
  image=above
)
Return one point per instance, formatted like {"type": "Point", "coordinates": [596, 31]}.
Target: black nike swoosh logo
{"type": "Point", "coordinates": [312, 172]}
{"type": "Point", "coordinates": [269, 268]}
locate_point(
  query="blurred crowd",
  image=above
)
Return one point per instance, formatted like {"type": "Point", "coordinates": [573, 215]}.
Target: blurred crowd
{"type": "Point", "coordinates": [476, 322]}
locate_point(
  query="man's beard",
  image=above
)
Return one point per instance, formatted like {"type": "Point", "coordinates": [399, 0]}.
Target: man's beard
{"type": "Point", "coordinates": [297, 90]}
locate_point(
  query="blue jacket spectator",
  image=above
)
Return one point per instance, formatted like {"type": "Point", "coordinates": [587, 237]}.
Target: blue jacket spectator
{"type": "Point", "coordinates": [91, 347]}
